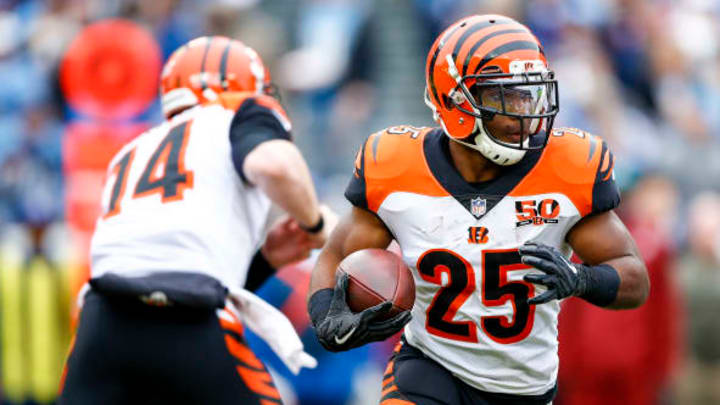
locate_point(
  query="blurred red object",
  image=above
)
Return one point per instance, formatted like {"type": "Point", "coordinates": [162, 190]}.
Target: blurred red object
{"type": "Point", "coordinates": [625, 357]}
{"type": "Point", "coordinates": [111, 70]}
{"type": "Point", "coordinates": [87, 150]}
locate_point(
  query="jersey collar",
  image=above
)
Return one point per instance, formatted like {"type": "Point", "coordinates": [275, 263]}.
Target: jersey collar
{"type": "Point", "coordinates": [437, 154]}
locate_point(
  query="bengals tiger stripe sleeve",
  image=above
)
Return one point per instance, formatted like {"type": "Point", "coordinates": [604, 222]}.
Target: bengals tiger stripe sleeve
{"type": "Point", "coordinates": [605, 192]}
{"type": "Point", "coordinates": [356, 189]}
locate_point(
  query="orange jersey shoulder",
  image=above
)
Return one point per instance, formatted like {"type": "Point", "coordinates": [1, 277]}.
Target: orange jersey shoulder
{"type": "Point", "coordinates": [577, 164]}
{"type": "Point", "coordinates": [391, 160]}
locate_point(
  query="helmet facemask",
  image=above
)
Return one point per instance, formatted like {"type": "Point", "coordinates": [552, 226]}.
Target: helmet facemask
{"type": "Point", "coordinates": [530, 98]}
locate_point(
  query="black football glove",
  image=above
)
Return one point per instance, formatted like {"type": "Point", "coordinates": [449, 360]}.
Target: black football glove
{"type": "Point", "coordinates": [562, 278]}
{"type": "Point", "coordinates": [341, 329]}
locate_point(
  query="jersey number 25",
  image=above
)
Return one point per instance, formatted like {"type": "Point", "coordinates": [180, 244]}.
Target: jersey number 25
{"type": "Point", "coordinates": [495, 291]}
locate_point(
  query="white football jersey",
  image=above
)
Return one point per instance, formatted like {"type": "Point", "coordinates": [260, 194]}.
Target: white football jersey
{"type": "Point", "coordinates": [460, 240]}
{"type": "Point", "coordinates": [173, 201]}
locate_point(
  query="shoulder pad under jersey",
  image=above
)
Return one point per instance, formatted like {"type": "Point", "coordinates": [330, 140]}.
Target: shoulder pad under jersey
{"type": "Point", "coordinates": [391, 160]}
{"type": "Point", "coordinates": [579, 165]}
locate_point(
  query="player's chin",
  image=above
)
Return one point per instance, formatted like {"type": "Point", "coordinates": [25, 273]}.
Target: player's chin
{"type": "Point", "coordinates": [512, 138]}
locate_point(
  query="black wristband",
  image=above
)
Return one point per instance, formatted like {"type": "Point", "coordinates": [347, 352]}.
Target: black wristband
{"type": "Point", "coordinates": [603, 282]}
{"type": "Point", "coordinates": [319, 305]}
{"type": "Point", "coordinates": [315, 228]}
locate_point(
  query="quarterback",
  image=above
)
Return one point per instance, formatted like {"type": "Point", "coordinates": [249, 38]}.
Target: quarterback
{"type": "Point", "coordinates": [487, 209]}
{"type": "Point", "coordinates": [184, 210]}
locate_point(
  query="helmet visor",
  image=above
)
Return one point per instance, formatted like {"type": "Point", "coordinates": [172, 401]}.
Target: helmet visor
{"type": "Point", "coordinates": [523, 100]}
{"type": "Point", "coordinates": [530, 99]}
{"type": "Point", "coordinates": [521, 97]}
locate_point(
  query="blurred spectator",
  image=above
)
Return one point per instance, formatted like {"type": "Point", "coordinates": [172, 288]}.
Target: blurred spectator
{"type": "Point", "coordinates": [327, 34]}
{"type": "Point", "coordinates": [54, 28]}
{"type": "Point", "coordinates": [684, 53]}
{"type": "Point", "coordinates": [701, 280]}
{"type": "Point", "coordinates": [261, 31]}
{"type": "Point", "coordinates": [436, 15]}
{"type": "Point", "coordinates": [329, 55]}
{"type": "Point", "coordinates": [585, 103]}
{"type": "Point", "coordinates": [629, 357]}
{"type": "Point", "coordinates": [30, 176]}
{"type": "Point", "coordinates": [626, 38]}
{"type": "Point", "coordinates": [172, 24]}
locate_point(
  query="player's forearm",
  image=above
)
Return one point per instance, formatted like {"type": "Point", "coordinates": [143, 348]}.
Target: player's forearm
{"type": "Point", "coordinates": [323, 275]}
{"type": "Point", "coordinates": [347, 237]}
{"type": "Point", "coordinates": [277, 167]}
{"type": "Point", "coordinates": [602, 239]}
{"type": "Point", "coordinates": [358, 230]}
{"type": "Point", "coordinates": [294, 193]}
{"type": "Point", "coordinates": [634, 283]}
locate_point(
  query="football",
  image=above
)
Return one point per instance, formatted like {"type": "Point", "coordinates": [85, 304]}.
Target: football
{"type": "Point", "coordinates": [376, 276]}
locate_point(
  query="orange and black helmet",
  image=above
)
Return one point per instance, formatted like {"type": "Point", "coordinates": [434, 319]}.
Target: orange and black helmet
{"type": "Point", "coordinates": [484, 65]}
{"type": "Point", "coordinates": [206, 66]}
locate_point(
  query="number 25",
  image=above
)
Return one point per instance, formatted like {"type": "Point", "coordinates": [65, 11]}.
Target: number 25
{"type": "Point", "coordinates": [495, 291]}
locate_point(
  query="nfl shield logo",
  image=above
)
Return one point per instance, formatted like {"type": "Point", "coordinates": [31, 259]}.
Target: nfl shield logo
{"type": "Point", "coordinates": [478, 206]}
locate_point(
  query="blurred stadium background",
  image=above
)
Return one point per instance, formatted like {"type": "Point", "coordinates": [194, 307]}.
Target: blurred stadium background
{"type": "Point", "coordinates": [79, 78]}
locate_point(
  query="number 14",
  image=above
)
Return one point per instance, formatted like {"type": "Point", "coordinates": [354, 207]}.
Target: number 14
{"type": "Point", "coordinates": [173, 181]}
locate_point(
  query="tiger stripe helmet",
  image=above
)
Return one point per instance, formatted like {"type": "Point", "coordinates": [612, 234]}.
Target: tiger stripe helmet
{"type": "Point", "coordinates": [204, 67]}
{"type": "Point", "coordinates": [474, 70]}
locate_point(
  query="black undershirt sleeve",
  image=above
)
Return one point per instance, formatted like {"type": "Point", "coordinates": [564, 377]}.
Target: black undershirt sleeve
{"type": "Point", "coordinates": [259, 271]}
{"type": "Point", "coordinates": [252, 125]}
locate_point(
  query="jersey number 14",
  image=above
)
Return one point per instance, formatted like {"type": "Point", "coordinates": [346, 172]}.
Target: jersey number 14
{"type": "Point", "coordinates": [175, 178]}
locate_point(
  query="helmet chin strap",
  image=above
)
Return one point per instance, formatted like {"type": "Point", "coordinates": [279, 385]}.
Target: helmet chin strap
{"type": "Point", "coordinates": [493, 151]}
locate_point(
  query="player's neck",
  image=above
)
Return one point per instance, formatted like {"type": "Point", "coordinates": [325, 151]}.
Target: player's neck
{"type": "Point", "coordinates": [472, 165]}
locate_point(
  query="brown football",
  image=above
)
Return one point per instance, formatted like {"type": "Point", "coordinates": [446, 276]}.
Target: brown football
{"type": "Point", "coordinates": [376, 276]}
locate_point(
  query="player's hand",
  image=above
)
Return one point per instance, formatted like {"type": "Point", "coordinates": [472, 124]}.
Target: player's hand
{"type": "Point", "coordinates": [286, 243]}
{"type": "Point", "coordinates": [341, 329]}
{"type": "Point", "coordinates": [562, 278]}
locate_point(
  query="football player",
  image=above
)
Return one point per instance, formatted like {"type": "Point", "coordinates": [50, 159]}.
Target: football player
{"type": "Point", "coordinates": [184, 210]}
{"type": "Point", "coordinates": [487, 209]}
